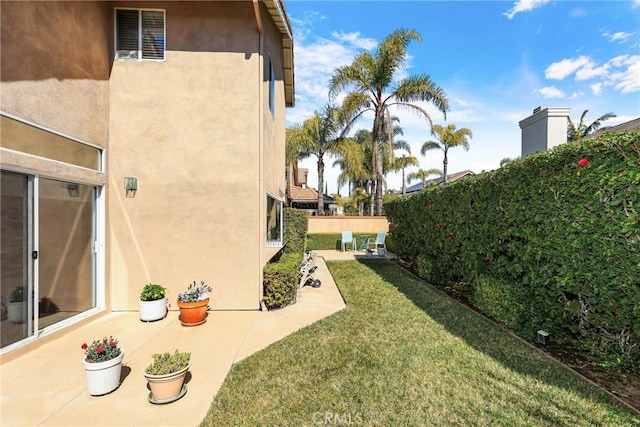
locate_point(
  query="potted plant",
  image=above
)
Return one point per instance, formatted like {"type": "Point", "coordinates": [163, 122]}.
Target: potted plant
{"type": "Point", "coordinates": [193, 304]}
{"type": "Point", "coordinates": [16, 307]}
{"type": "Point", "coordinates": [102, 365]}
{"type": "Point", "coordinates": [153, 302]}
{"type": "Point", "coordinates": [166, 375]}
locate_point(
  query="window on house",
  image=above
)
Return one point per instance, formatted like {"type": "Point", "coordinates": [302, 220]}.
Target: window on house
{"type": "Point", "coordinates": [272, 89]}
{"type": "Point", "coordinates": [140, 34]}
{"type": "Point", "coordinates": [274, 222]}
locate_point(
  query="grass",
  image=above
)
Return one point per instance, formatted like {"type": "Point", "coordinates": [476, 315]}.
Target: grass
{"type": "Point", "coordinates": [404, 354]}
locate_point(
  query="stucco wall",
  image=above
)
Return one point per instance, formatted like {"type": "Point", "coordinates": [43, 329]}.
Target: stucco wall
{"type": "Point", "coordinates": [273, 137]}
{"type": "Point", "coordinates": [56, 78]}
{"type": "Point", "coordinates": [188, 129]}
{"type": "Point", "coordinates": [357, 224]}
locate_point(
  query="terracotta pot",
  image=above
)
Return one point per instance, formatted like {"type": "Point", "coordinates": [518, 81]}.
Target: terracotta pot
{"type": "Point", "coordinates": [167, 388]}
{"type": "Point", "coordinates": [193, 313]}
{"type": "Point", "coordinates": [103, 377]}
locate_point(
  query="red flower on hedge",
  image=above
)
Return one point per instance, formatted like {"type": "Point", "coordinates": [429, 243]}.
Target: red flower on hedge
{"type": "Point", "coordinates": [486, 259]}
{"type": "Point", "coordinates": [438, 225]}
{"type": "Point", "coordinates": [429, 206]}
{"type": "Point", "coordinates": [100, 350]}
{"type": "Point", "coordinates": [449, 237]}
{"type": "Point", "coordinates": [583, 162]}
{"type": "Point", "coordinates": [84, 346]}
{"type": "Point", "coordinates": [113, 344]}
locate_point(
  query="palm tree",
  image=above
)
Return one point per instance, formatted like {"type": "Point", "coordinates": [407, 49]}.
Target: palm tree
{"type": "Point", "coordinates": [422, 175]}
{"type": "Point", "coordinates": [446, 138]}
{"type": "Point", "coordinates": [371, 77]}
{"type": "Point", "coordinates": [321, 134]}
{"type": "Point", "coordinates": [402, 163]}
{"type": "Point", "coordinates": [580, 131]}
{"type": "Point", "coordinates": [507, 160]}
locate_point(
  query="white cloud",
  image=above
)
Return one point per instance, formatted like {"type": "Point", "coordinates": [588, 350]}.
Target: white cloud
{"type": "Point", "coordinates": [550, 92]}
{"type": "Point", "coordinates": [560, 70]}
{"type": "Point", "coordinates": [627, 80]}
{"type": "Point", "coordinates": [578, 12]}
{"type": "Point", "coordinates": [619, 37]}
{"type": "Point", "coordinates": [576, 95]}
{"type": "Point", "coordinates": [590, 71]}
{"type": "Point", "coordinates": [621, 73]}
{"type": "Point", "coordinates": [355, 39]}
{"type": "Point", "coordinates": [524, 6]}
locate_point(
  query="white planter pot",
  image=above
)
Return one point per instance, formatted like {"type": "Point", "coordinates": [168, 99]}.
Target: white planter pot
{"type": "Point", "coordinates": [103, 377]}
{"type": "Point", "coordinates": [153, 310]}
{"type": "Point", "coordinates": [16, 312]}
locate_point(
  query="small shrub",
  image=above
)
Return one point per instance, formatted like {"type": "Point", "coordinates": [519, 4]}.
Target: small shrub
{"type": "Point", "coordinates": [167, 363]}
{"type": "Point", "coordinates": [152, 292]}
{"type": "Point", "coordinates": [280, 280]}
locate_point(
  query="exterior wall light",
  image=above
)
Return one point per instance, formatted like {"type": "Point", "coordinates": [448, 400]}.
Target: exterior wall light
{"type": "Point", "coordinates": [130, 186]}
{"type": "Point", "coordinates": [72, 189]}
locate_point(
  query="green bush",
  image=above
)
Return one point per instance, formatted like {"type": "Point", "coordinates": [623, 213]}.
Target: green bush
{"type": "Point", "coordinates": [541, 237]}
{"type": "Point", "coordinates": [296, 224]}
{"type": "Point", "coordinates": [280, 280]}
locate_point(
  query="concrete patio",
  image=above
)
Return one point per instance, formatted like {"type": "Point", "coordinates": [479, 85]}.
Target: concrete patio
{"type": "Point", "coordinates": [46, 386]}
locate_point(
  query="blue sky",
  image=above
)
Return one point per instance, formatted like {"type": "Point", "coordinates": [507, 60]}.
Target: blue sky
{"type": "Point", "coordinates": [496, 60]}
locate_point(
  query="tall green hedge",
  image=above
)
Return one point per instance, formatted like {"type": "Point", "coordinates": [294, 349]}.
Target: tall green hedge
{"type": "Point", "coordinates": [545, 242]}
{"type": "Point", "coordinates": [296, 224]}
{"type": "Point", "coordinates": [280, 276]}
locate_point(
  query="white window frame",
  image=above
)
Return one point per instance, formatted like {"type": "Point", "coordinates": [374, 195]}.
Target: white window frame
{"type": "Point", "coordinates": [138, 56]}
{"type": "Point", "coordinates": [276, 243]}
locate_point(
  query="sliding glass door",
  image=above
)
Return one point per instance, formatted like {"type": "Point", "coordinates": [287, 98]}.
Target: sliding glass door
{"type": "Point", "coordinates": [15, 253]}
{"type": "Point", "coordinates": [65, 250]}
{"type": "Point", "coordinates": [48, 253]}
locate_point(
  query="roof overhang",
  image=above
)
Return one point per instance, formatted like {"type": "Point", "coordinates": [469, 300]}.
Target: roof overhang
{"type": "Point", "coordinates": [281, 19]}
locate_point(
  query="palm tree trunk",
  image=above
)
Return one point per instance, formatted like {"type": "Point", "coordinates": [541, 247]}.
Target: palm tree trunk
{"type": "Point", "coordinates": [404, 185]}
{"type": "Point", "coordinates": [320, 187]}
{"type": "Point", "coordinates": [444, 168]}
{"type": "Point", "coordinates": [373, 197]}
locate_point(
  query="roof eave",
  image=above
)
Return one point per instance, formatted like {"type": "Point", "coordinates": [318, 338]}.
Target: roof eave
{"type": "Point", "coordinates": [281, 19]}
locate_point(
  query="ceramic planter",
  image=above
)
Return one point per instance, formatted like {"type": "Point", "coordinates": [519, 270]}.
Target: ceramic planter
{"type": "Point", "coordinates": [167, 388]}
{"type": "Point", "coordinates": [153, 310]}
{"type": "Point", "coordinates": [103, 377]}
{"type": "Point", "coordinates": [193, 313]}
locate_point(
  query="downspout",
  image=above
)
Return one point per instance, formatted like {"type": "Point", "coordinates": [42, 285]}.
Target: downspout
{"type": "Point", "coordinates": [262, 196]}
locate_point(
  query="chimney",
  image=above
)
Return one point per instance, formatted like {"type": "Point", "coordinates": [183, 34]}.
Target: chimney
{"type": "Point", "coordinates": [544, 129]}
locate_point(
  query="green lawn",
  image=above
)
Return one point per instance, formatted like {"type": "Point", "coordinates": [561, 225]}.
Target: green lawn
{"type": "Point", "coordinates": [403, 354]}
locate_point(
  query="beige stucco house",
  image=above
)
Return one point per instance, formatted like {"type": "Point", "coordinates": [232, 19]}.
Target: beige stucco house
{"type": "Point", "coordinates": [141, 141]}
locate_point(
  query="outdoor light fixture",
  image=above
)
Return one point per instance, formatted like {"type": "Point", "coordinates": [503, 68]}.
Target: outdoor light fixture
{"type": "Point", "coordinates": [131, 185]}
{"type": "Point", "coordinates": [72, 189]}
{"type": "Point", "coordinates": [543, 337]}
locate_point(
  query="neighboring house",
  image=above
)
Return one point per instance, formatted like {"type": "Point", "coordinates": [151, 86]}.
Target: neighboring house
{"type": "Point", "coordinates": [630, 126]}
{"type": "Point", "coordinates": [141, 142]}
{"type": "Point", "coordinates": [452, 177]}
{"type": "Point", "coordinates": [300, 196]}
{"type": "Point", "coordinates": [546, 128]}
